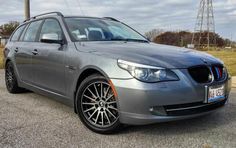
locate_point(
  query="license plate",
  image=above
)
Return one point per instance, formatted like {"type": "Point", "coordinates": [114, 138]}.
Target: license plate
{"type": "Point", "coordinates": [216, 93]}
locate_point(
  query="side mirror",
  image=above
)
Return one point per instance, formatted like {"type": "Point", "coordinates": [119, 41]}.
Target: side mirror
{"type": "Point", "coordinates": [51, 38]}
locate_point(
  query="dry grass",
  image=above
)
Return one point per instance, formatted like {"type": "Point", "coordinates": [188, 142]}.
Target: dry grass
{"type": "Point", "coordinates": [1, 57]}
{"type": "Point", "coordinates": [229, 58]}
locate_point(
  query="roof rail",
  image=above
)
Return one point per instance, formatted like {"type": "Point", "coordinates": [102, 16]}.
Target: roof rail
{"type": "Point", "coordinates": [49, 13]}
{"type": "Point", "coordinates": [111, 18]}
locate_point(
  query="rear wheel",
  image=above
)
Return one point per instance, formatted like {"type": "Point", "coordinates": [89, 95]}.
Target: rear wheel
{"type": "Point", "coordinates": [11, 80]}
{"type": "Point", "coordinates": [97, 105]}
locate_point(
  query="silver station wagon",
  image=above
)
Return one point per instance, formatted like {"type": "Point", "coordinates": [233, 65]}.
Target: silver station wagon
{"type": "Point", "coordinates": [110, 74]}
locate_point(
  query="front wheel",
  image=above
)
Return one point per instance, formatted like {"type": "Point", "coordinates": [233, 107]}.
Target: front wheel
{"type": "Point", "coordinates": [97, 105]}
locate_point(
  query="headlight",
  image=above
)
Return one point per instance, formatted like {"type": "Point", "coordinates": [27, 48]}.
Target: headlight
{"type": "Point", "coordinates": [148, 73]}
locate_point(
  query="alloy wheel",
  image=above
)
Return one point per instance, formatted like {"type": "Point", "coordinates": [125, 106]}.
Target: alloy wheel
{"type": "Point", "coordinates": [9, 77]}
{"type": "Point", "coordinates": [99, 105]}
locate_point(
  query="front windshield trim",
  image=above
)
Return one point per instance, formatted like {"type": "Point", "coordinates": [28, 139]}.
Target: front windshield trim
{"type": "Point", "coordinates": [144, 40]}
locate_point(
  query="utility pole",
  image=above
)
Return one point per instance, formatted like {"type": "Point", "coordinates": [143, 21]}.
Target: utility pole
{"type": "Point", "coordinates": [27, 9]}
{"type": "Point", "coordinates": [231, 40]}
{"type": "Point", "coordinates": [204, 32]}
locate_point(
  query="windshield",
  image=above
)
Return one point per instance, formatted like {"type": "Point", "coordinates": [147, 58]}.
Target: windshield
{"type": "Point", "coordinates": [94, 29]}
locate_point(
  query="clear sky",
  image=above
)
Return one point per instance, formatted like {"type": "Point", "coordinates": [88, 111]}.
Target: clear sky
{"type": "Point", "coordinates": [143, 15]}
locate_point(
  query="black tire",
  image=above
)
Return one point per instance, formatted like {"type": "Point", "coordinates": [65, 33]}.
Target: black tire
{"type": "Point", "coordinates": [95, 80]}
{"type": "Point", "coordinates": [11, 80]}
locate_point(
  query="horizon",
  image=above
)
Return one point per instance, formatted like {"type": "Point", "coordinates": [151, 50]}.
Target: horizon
{"type": "Point", "coordinates": [169, 15]}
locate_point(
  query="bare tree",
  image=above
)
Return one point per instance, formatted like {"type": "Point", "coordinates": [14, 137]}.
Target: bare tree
{"type": "Point", "coordinates": [153, 33]}
{"type": "Point", "coordinates": [7, 29]}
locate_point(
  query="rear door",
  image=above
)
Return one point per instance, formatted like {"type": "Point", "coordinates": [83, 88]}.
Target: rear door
{"type": "Point", "coordinates": [15, 45]}
{"type": "Point", "coordinates": [48, 62]}
{"type": "Point", "coordinates": [25, 48]}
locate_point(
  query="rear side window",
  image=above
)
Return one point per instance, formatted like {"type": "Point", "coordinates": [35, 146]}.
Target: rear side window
{"type": "Point", "coordinates": [51, 26]}
{"type": "Point", "coordinates": [17, 33]}
{"type": "Point", "coordinates": [31, 33]}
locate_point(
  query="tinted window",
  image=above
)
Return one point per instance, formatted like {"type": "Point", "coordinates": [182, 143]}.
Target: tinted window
{"type": "Point", "coordinates": [51, 26]}
{"type": "Point", "coordinates": [32, 30]}
{"type": "Point", "coordinates": [17, 33]}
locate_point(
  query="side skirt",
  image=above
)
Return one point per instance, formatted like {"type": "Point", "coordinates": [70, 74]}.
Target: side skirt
{"type": "Point", "coordinates": [55, 96]}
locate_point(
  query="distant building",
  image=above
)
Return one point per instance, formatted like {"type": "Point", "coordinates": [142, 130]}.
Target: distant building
{"type": "Point", "coordinates": [191, 46]}
{"type": "Point", "coordinates": [228, 47]}
{"type": "Point", "coordinates": [3, 39]}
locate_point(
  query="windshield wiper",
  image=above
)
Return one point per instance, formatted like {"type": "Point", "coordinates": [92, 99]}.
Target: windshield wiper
{"type": "Point", "coordinates": [130, 40]}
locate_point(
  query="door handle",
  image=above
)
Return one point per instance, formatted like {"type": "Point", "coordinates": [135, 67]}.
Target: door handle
{"type": "Point", "coordinates": [35, 51]}
{"type": "Point", "coordinates": [16, 49]}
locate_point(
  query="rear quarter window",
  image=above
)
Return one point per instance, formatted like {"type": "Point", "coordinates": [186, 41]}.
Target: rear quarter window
{"type": "Point", "coordinates": [17, 33]}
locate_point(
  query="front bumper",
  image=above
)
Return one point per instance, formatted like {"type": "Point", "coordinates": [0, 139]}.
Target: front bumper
{"type": "Point", "coordinates": [145, 103]}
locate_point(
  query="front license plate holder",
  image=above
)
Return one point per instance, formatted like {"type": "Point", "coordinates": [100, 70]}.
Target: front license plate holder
{"type": "Point", "coordinates": [215, 93]}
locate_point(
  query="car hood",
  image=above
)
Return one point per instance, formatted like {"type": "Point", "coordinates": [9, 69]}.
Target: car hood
{"type": "Point", "coordinates": [149, 53]}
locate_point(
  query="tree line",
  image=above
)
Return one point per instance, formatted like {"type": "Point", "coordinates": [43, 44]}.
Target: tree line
{"type": "Point", "coordinates": [7, 29]}
{"type": "Point", "coordinates": [183, 38]}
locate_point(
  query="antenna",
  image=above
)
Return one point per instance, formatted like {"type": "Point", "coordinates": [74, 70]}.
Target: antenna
{"type": "Point", "coordinates": [204, 32]}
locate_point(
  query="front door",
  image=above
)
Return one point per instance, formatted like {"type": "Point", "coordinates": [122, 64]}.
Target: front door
{"type": "Point", "coordinates": [48, 60]}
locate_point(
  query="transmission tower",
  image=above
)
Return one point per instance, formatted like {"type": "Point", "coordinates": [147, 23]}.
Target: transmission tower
{"type": "Point", "coordinates": [204, 32]}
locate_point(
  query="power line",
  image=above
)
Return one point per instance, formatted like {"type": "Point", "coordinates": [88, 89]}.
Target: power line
{"type": "Point", "coordinates": [68, 6]}
{"type": "Point", "coordinates": [80, 7]}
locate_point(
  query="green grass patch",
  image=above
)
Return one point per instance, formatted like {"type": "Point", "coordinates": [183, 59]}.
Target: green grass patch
{"type": "Point", "coordinates": [229, 58]}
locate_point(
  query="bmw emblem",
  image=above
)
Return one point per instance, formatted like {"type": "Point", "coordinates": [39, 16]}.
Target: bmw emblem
{"type": "Point", "coordinates": [204, 60]}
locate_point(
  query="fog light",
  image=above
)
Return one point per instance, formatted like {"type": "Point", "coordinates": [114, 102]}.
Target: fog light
{"type": "Point", "coordinates": [158, 110]}
{"type": "Point", "coordinates": [151, 109]}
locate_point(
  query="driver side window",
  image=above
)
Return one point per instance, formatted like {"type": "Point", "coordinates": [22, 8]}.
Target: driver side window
{"type": "Point", "coordinates": [51, 26]}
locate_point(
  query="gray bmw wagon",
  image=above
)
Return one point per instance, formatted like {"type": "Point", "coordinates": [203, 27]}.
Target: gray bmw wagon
{"type": "Point", "coordinates": [110, 73]}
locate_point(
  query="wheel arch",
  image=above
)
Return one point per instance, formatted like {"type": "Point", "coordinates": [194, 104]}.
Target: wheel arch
{"type": "Point", "coordinates": [6, 61]}
{"type": "Point", "coordinates": [85, 72]}
{"type": "Point", "coordinates": [9, 59]}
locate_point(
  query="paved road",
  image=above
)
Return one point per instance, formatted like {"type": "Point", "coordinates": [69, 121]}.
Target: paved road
{"type": "Point", "coordinates": [31, 120]}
